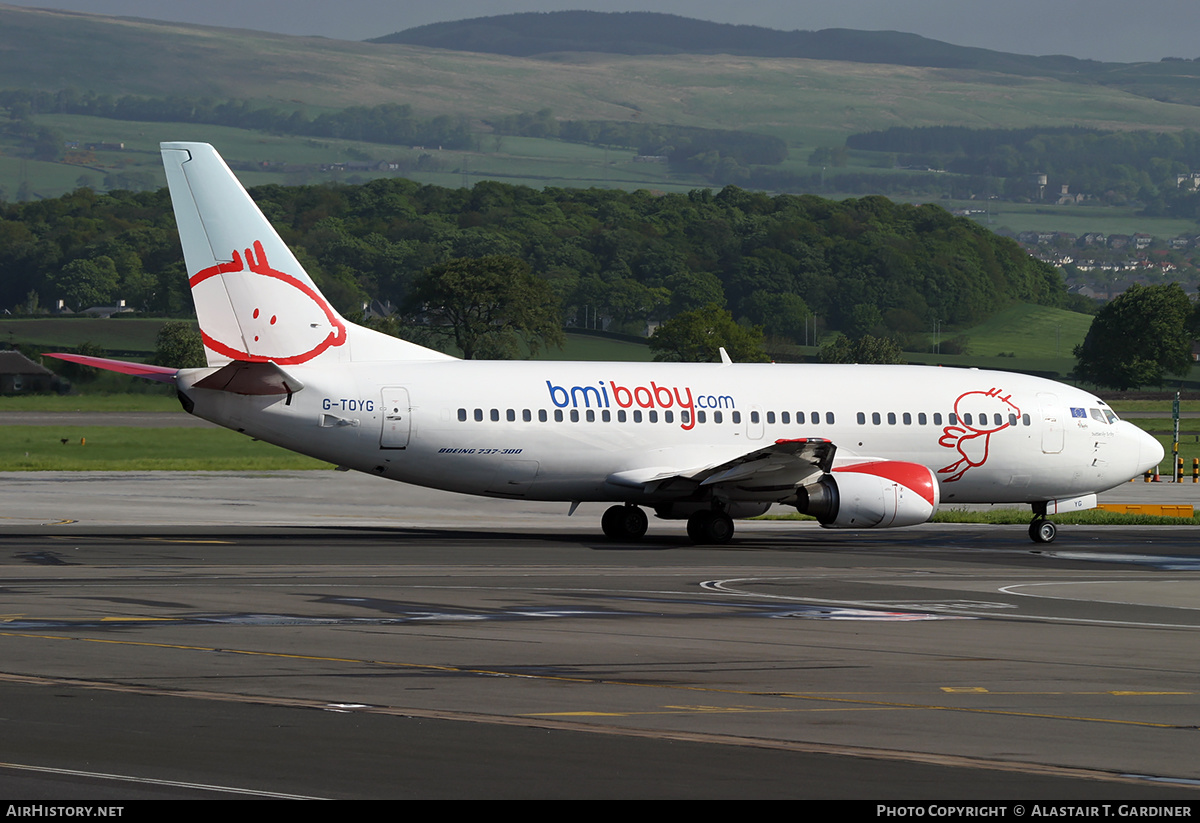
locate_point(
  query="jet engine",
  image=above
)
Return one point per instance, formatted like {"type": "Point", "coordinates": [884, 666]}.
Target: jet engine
{"type": "Point", "coordinates": [877, 495]}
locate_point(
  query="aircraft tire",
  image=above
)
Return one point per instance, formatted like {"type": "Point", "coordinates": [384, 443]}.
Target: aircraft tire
{"type": "Point", "coordinates": [624, 523]}
{"type": "Point", "coordinates": [710, 527]}
{"type": "Point", "coordinates": [1042, 531]}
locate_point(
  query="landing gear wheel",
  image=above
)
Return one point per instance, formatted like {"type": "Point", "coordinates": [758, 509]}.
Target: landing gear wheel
{"type": "Point", "coordinates": [1042, 531]}
{"type": "Point", "coordinates": [709, 526]}
{"type": "Point", "coordinates": [624, 523]}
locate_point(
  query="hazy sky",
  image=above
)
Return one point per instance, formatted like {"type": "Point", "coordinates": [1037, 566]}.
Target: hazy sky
{"type": "Point", "coordinates": [1099, 29]}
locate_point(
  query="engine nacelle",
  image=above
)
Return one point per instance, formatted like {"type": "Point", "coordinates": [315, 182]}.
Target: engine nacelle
{"type": "Point", "coordinates": [872, 496]}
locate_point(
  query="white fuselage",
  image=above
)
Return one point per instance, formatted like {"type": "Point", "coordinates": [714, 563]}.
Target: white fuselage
{"type": "Point", "coordinates": [559, 431]}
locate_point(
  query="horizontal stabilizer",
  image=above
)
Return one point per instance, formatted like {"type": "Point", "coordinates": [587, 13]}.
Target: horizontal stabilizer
{"type": "Point", "coordinates": [240, 377]}
{"type": "Point", "coordinates": [162, 374]}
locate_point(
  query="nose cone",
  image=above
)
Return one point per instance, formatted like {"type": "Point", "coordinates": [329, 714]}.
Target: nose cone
{"type": "Point", "coordinates": [1150, 451]}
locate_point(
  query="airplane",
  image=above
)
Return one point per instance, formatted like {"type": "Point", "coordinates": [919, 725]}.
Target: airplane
{"type": "Point", "coordinates": [855, 446]}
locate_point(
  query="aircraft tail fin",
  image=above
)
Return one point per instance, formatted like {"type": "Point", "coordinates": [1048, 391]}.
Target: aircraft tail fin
{"type": "Point", "coordinates": [254, 300]}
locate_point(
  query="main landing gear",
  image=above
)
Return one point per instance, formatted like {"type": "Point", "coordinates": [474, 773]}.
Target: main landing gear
{"type": "Point", "coordinates": [706, 526]}
{"type": "Point", "coordinates": [1042, 530]}
{"type": "Point", "coordinates": [710, 526]}
{"type": "Point", "coordinates": [624, 523]}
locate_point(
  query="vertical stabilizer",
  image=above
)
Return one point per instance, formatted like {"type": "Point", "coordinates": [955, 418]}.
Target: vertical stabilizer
{"type": "Point", "coordinates": [254, 300]}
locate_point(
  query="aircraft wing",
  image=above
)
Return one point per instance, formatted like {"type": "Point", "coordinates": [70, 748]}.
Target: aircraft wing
{"type": "Point", "coordinates": [781, 466]}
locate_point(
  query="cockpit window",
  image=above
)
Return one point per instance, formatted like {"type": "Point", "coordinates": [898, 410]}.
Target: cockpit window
{"type": "Point", "coordinates": [1111, 415]}
{"type": "Point", "coordinates": [1097, 416]}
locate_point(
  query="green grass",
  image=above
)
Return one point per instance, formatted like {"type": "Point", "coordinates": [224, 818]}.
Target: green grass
{"type": "Point", "coordinates": [1127, 408]}
{"type": "Point", "coordinates": [1019, 217]}
{"type": "Point", "coordinates": [1029, 331]}
{"type": "Point", "coordinates": [91, 403]}
{"type": "Point", "coordinates": [111, 334]}
{"type": "Point", "coordinates": [111, 448]}
{"type": "Point", "coordinates": [586, 347]}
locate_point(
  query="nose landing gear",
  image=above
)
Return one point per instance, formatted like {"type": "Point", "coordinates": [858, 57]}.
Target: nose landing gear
{"type": "Point", "coordinates": [1042, 530]}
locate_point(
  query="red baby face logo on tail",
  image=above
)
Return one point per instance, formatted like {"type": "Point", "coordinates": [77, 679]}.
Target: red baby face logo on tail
{"type": "Point", "coordinates": [281, 319]}
{"type": "Point", "coordinates": [989, 413]}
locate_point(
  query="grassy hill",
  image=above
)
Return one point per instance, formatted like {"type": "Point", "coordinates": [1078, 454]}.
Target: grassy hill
{"type": "Point", "coordinates": [805, 101]}
{"type": "Point", "coordinates": [795, 98]}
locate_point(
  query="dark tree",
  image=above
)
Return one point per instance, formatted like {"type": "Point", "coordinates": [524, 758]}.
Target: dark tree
{"type": "Point", "coordinates": [178, 344]}
{"type": "Point", "coordinates": [696, 337]}
{"type": "Point", "coordinates": [1138, 339]}
{"type": "Point", "coordinates": [490, 306]}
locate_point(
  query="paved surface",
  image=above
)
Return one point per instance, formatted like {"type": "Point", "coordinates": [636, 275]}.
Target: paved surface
{"type": "Point", "coordinates": [326, 634]}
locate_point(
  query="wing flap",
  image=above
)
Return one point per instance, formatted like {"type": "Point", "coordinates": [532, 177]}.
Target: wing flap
{"type": "Point", "coordinates": [779, 467]}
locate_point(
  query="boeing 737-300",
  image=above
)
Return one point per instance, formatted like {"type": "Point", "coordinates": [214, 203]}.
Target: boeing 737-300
{"type": "Point", "coordinates": [857, 447]}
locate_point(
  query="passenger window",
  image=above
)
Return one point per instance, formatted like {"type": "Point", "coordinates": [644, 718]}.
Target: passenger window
{"type": "Point", "coordinates": [829, 418]}
{"type": "Point", "coordinates": [771, 417]}
{"type": "Point", "coordinates": [511, 415]}
{"type": "Point", "coordinates": [907, 418]}
{"type": "Point", "coordinates": [621, 416]}
{"type": "Point", "coordinates": [526, 415]}
{"type": "Point", "coordinates": [669, 417]}
{"type": "Point", "coordinates": [875, 418]}
{"type": "Point", "coordinates": [701, 417]}
{"type": "Point", "coordinates": [862, 419]}
{"type": "Point", "coordinates": [967, 418]}
{"type": "Point", "coordinates": [462, 415]}
{"type": "Point", "coordinates": [637, 416]}
{"type": "Point", "coordinates": [753, 417]}
{"type": "Point", "coordinates": [591, 416]}
{"type": "Point", "coordinates": [891, 418]}
{"type": "Point", "coordinates": [785, 418]}
{"type": "Point", "coordinates": [814, 417]}
{"type": "Point", "coordinates": [937, 418]}
{"type": "Point", "coordinates": [685, 417]}
{"type": "Point", "coordinates": [479, 415]}
{"type": "Point", "coordinates": [953, 418]}
{"type": "Point", "coordinates": [606, 416]}
{"type": "Point", "coordinates": [541, 415]}
{"type": "Point", "coordinates": [558, 416]}
{"type": "Point", "coordinates": [737, 417]}
{"type": "Point", "coordinates": [922, 419]}
{"type": "Point", "coordinates": [495, 415]}
{"type": "Point", "coordinates": [1025, 419]}
{"type": "Point", "coordinates": [653, 416]}
{"type": "Point", "coordinates": [717, 416]}
{"type": "Point", "coordinates": [574, 415]}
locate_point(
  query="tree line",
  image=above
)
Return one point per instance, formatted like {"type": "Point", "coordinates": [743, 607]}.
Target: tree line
{"type": "Point", "coordinates": [389, 123]}
{"type": "Point", "coordinates": [1112, 166]}
{"type": "Point", "coordinates": [611, 259]}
